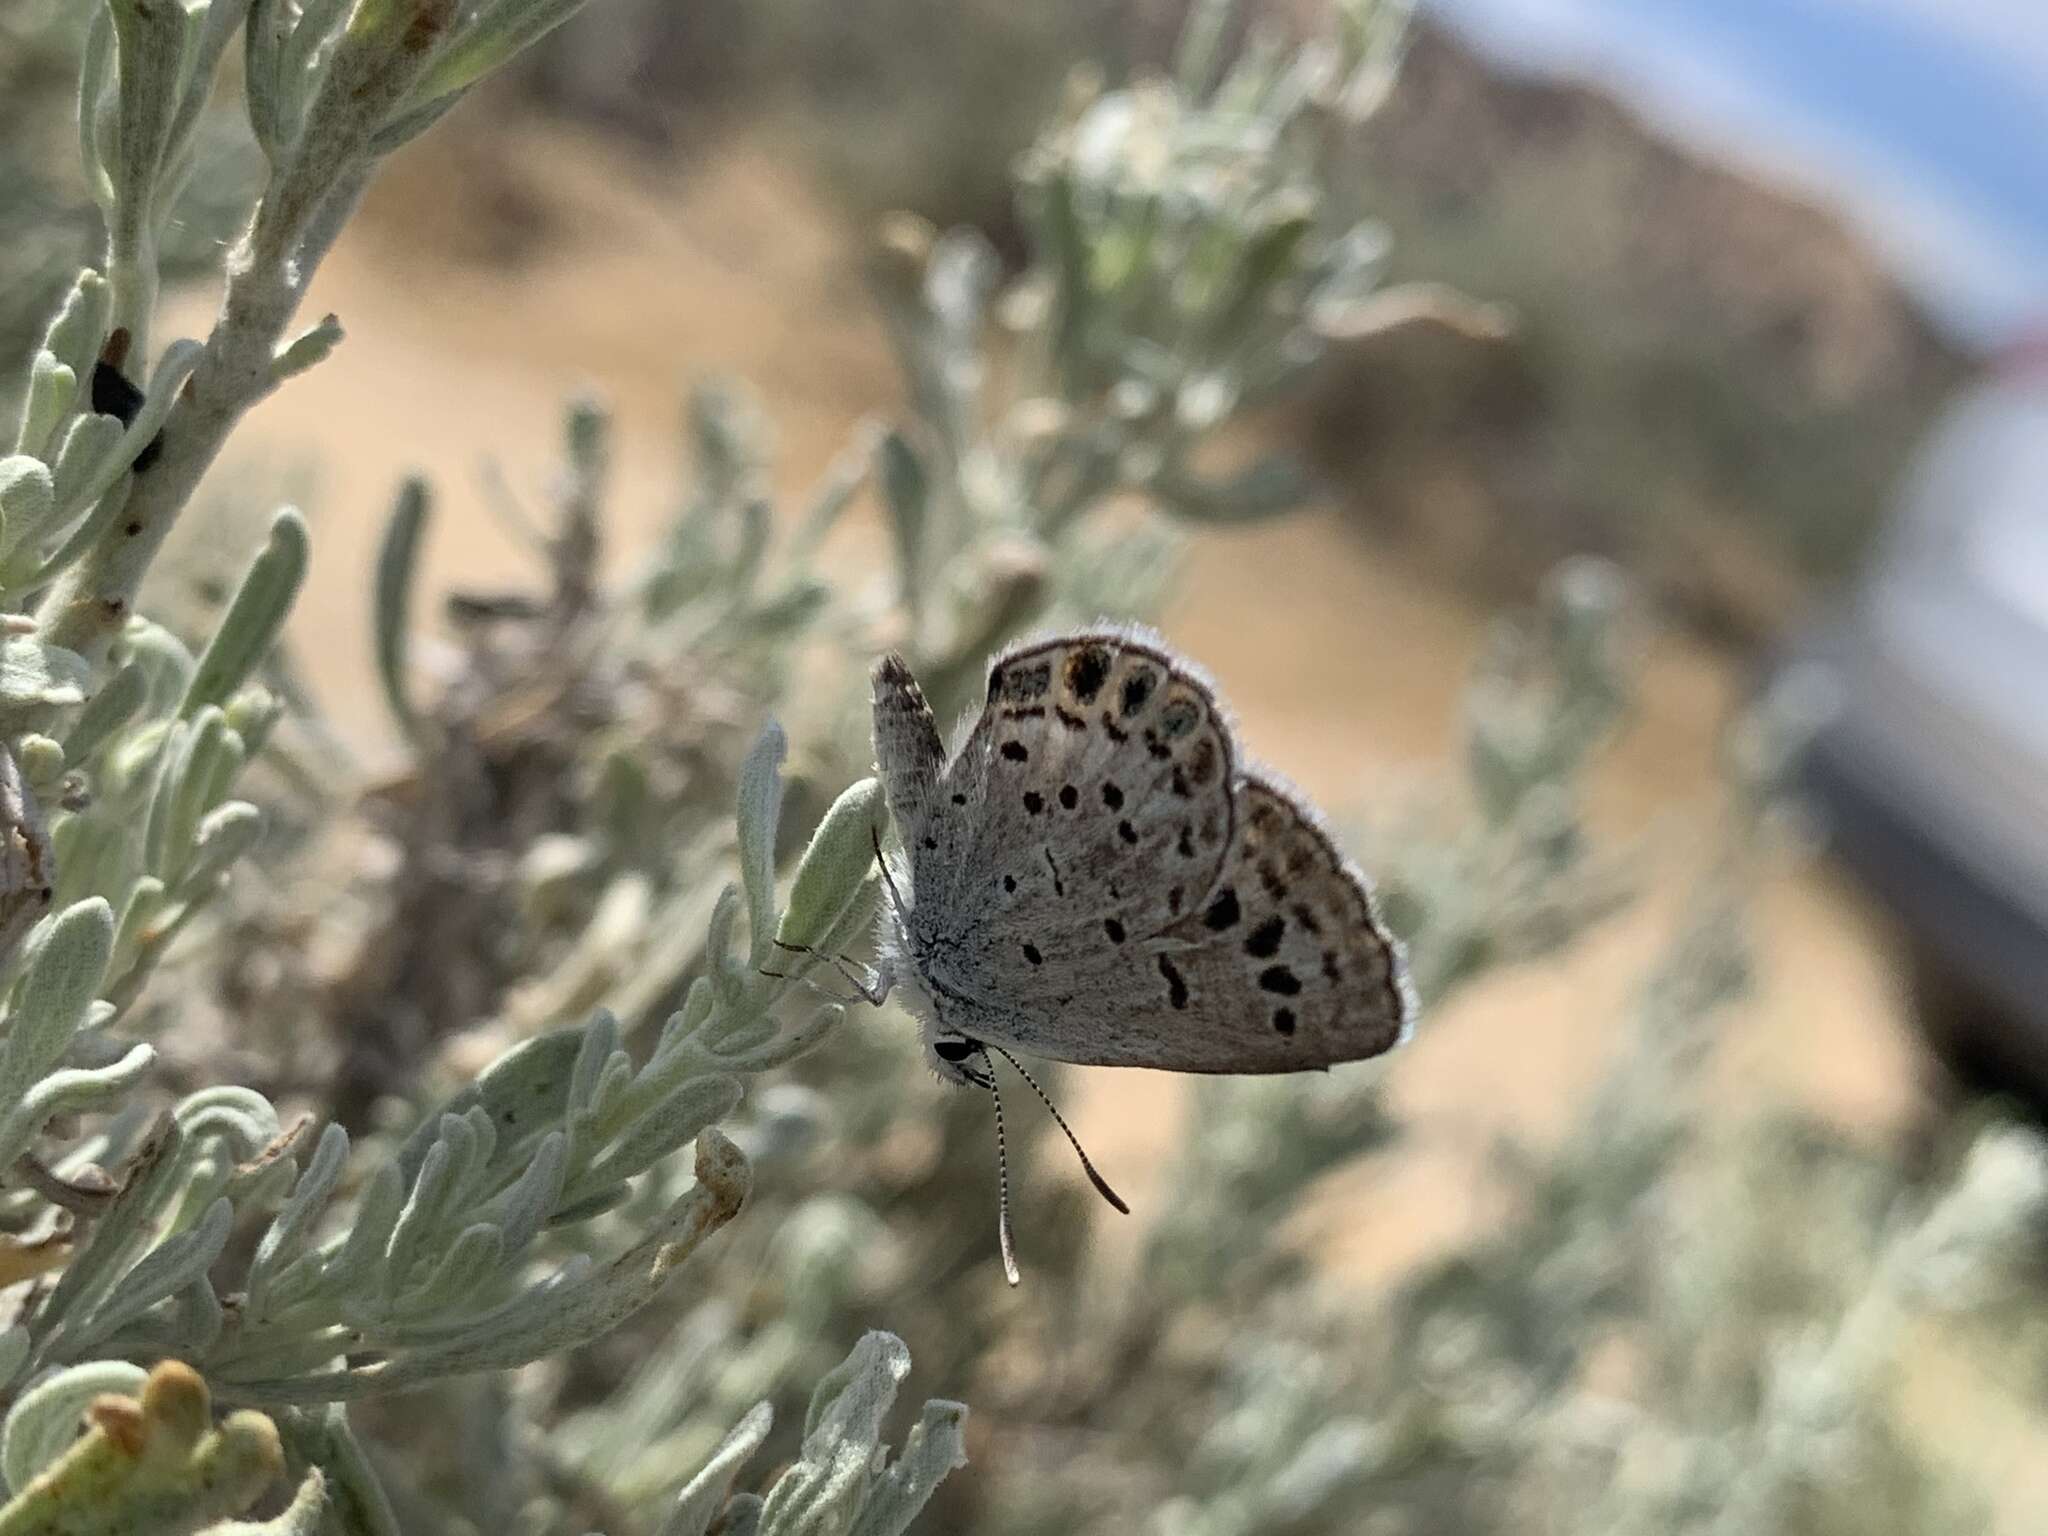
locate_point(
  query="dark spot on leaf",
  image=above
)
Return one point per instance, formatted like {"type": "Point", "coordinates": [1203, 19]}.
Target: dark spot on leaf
{"type": "Point", "coordinates": [1016, 751]}
{"type": "Point", "coordinates": [1263, 942]}
{"type": "Point", "coordinates": [1223, 912]}
{"type": "Point", "coordinates": [1278, 978]}
{"type": "Point", "coordinates": [1087, 671]}
{"type": "Point", "coordinates": [1112, 797]}
{"type": "Point", "coordinates": [1114, 929]}
{"type": "Point", "coordinates": [113, 394]}
{"type": "Point", "coordinates": [1176, 984]}
{"type": "Point", "coordinates": [1031, 953]}
{"type": "Point", "coordinates": [1283, 1020]}
{"type": "Point", "coordinates": [1069, 796]}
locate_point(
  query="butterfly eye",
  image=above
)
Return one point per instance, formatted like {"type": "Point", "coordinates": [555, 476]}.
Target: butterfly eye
{"type": "Point", "coordinates": [954, 1051]}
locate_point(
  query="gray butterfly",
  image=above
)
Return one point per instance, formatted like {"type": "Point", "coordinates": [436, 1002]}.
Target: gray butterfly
{"type": "Point", "coordinates": [1093, 877]}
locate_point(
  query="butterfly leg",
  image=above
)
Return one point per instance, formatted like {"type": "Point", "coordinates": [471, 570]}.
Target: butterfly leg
{"type": "Point", "coordinates": [872, 985]}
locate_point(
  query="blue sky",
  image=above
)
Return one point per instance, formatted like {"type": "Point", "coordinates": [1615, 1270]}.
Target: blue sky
{"type": "Point", "coordinates": [1925, 121]}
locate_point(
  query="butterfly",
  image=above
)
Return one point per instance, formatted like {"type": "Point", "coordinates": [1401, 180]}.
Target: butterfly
{"type": "Point", "coordinates": [1094, 876]}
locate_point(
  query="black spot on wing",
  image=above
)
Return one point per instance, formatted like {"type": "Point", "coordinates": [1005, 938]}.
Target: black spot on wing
{"type": "Point", "coordinates": [1176, 984]}
{"type": "Point", "coordinates": [1021, 682]}
{"type": "Point", "coordinates": [1223, 912]}
{"type": "Point", "coordinates": [1087, 670]}
{"type": "Point", "coordinates": [1278, 978]}
{"type": "Point", "coordinates": [1263, 942]}
{"type": "Point", "coordinates": [1138, 688]}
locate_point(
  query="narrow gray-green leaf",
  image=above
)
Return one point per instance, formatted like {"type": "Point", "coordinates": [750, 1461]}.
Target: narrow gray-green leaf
{"type": "Point", "coordinates": [760, 809]}
{"type": "Point", "coordinates": [397, 566]}
{"type": "Point", "coordinates": [254, 617]}
{"type": "Point", "coordinates": [706, 1494]}
{"type": "Point", "coordinates": [51, 1001]}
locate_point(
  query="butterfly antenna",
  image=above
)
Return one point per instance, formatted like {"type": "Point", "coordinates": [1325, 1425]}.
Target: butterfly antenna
{"type": "Point", "coordinates": [1101, 1184]}
{"type": "Point", "coordinates": [1009, 1247]}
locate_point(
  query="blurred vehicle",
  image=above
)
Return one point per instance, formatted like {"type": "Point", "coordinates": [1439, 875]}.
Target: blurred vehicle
{"type": "Point", "coordinates": [1932, 769]}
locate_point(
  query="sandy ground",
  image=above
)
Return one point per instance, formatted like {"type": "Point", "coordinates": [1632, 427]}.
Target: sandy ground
{"type": "Point", "coordinates": [1343, 666]}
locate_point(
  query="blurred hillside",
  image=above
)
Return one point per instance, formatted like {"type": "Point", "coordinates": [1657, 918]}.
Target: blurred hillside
{"type": "Point", "coordinates": [1712, 378]}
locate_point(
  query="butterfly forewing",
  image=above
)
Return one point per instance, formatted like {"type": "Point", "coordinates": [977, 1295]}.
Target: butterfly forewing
{"type": "Point", "coordinates": [1088, 810]}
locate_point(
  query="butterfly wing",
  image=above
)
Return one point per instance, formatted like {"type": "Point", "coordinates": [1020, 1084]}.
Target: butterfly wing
{"type": "Point", "coordinates": [1087, 812]}
{"type": "Point", "coordinates": [1286, 965]}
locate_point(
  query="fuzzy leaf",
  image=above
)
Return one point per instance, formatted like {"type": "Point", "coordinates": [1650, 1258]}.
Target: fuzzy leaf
{"type": "Point", "coordinates": [906, 489]}
{"type": "Point", "coordinates": [80, 324]}
{"type": "Point", "coordinates": [45, 1420]}
{"type": "Point", "coordinates": [760, 810]}
{"type": "Point", "coordinates": [256, 614]}
{"type": "Point", "coordinates": [397, 567]}
{"type": "Point", "coordinates": [52, 388]}
{"type": "Point", "coordinates": [34, 674]}
{"type": "Point", "coordinates": [706, 1493]}
{"type": "Point", "coordinates": [52, 999]}
{"type": "Point", "coordinates": [838, 860]}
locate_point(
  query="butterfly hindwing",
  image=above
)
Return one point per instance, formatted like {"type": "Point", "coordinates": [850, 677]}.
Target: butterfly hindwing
{"type": "Point", "coordinates": [1286, 966]}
